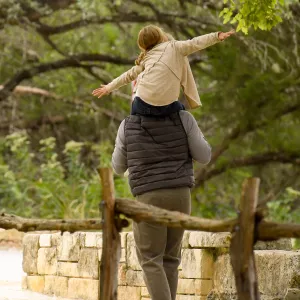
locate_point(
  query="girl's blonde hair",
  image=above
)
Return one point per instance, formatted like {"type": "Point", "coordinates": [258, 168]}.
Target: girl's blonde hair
{"type": "Point", "coordinates": [148, 37]}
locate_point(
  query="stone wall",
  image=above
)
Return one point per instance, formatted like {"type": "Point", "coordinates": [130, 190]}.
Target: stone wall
{"type": "Point", "coordinates": [67, 266]}
{"type": "Point", "coordinates": [11, 238]}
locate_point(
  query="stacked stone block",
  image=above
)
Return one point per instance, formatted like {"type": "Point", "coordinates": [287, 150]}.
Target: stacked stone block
{"type": "Point", "coordinates": [67, 266]}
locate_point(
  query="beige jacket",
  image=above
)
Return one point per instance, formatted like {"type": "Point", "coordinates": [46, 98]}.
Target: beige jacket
{"type": "Point", "coordinates": [164, 70]}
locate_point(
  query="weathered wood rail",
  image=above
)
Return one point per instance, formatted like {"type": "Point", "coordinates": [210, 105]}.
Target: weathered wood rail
{"type": "Point", "coordinates": [246, 230]}
{"type": "Point", "coordinates": [266, 230]}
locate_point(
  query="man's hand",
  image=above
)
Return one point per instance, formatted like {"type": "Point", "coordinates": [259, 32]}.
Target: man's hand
{"type": "Point", "coordinates": [224, 35]}
{"type": "Point", "coordinates": [100, 92]}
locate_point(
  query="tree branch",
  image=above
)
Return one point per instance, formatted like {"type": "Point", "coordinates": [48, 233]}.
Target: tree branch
{"type": "Point", "coordinates": [258, 159]}
{"type": "Point", "coordinates": [54, 120]}
{"type": "Point", "coordinates": [73, 61]}
{"type": "Point", "coordinates": [34, 124]}
{"type": "Point", "coordinates": [122, 18]}
{"type": "Point", "coordinates": [278, 189]}
{"type": "Point", "coordinates": [21, 89]}
{"type": "Point", "coordinates": [143, 212]}
{"type": "Point", "coordinates": [48, 40]}
{"type": "Point", "coordinates": [242, 130]}
{"type": "Point", "coordinates": [239, 130]}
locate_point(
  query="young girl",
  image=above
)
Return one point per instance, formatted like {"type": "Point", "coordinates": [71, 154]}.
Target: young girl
{"type": "Point", "coordinates": [161, 69]}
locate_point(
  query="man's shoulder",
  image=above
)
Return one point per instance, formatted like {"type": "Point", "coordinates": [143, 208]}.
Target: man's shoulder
{"type": "Point", "coordinates": [132, 118]}
{"type": "Point", "coordinates": [122, 125]}
{"type": "Point", "coordinates": [184, 114]}
{"type": "Point", "coordinates": [188, 120]}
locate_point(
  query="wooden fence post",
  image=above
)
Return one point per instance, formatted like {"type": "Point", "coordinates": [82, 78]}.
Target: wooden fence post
{"type": "Point", "coordinates": [241, 248]}
{"type": "Point", "coordinates": [111, 249]}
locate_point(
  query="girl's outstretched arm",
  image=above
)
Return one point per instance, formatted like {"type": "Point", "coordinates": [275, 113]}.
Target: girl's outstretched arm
{"type": "Point", "coordinates": [123, 79]}
{"type": "Point", "coordinates": [200, 42]}
{"type": "Point", "coordinates": [224, 35]}
{"type": "Point", "coordinates": [100, 92]}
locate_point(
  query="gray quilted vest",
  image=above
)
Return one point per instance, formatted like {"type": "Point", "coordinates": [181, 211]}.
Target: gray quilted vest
{"type": "Point", "coordinates": [157, 153]}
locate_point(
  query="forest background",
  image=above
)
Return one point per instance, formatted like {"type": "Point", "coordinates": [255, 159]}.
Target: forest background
{"type": "Point", "coordinates": [54, 134]}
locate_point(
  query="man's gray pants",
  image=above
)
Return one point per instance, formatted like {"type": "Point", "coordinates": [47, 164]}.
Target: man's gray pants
{"type": "Point", "coordinates": [158, 247]}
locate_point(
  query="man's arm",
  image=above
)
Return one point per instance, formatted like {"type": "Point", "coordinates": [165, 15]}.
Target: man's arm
{"type": "Point", "coordinates": [119, 156]}
{"type": "Point", "coordinates": [199, 147]}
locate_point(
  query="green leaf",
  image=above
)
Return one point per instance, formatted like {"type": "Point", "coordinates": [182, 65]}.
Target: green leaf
{"type": "Point", "coordinates": [224, 11]}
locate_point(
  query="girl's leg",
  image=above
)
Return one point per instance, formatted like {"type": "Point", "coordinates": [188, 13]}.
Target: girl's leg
{"type": "Point", "coordinates": [139, 107]}
{"type": "Point", "coordinates": [133, 107]}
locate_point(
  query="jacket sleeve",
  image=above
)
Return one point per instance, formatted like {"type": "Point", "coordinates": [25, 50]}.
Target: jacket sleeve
{"type": "Point", "coordinates": [119, 157]}
{"type": "Point", "coordinates": [198, 43]}
{"type": "Point", "coordinates": [199, 147]}
{"type": "Point", "coordinates": [125, 78]}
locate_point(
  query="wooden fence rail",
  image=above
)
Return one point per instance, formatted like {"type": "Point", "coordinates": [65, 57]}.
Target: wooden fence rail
{"type": "Point", "coordinates": [266, 231]}
{"type": "Point", "coordinates": [246, 230]}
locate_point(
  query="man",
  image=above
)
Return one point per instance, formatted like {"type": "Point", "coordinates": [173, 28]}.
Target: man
{"type": "Point", "coordinates": [158, 152]}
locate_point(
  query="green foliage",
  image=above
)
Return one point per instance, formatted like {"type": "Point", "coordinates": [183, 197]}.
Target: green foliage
{"type": "Point", "coordinates": [48, 187]}
{"type": "Point", "coordinates": [246, 83]}
{"type": "Point", "coordinates": [259, 14]}
{"type": "Point", "coordinates": [210, 201]}
{"type": "Point", "coordinates": [104, 150]}
{"type": "Point", "coordinates": [285, 208]}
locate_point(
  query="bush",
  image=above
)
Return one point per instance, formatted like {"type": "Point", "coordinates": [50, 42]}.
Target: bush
{"type": "Point", "coordinates": [44, 186]}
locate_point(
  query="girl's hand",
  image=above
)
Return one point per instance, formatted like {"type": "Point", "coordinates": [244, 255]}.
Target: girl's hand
{"type": "Point", "coordinates": [224, 35]}
{"type": "Point", "coordinates": [100, 92]}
